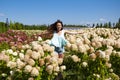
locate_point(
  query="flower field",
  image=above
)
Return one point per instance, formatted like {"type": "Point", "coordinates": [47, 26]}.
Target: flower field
{"type": "Point", "coordinates": [92, 55]}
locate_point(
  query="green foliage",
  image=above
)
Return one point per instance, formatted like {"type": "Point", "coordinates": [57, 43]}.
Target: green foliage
{"type": "Point", "coordinates": [4, 70]}
{"type": "Point", "coordinates": [96, 69]}
{"type": "Point", "coordinates": [20, 26]}
{"type": "Point", "coordinates": [3, 46]}
{"type": "Point", "coordinates": [3, 27]}
{"type": "Point", "coordinates": [115, 61]}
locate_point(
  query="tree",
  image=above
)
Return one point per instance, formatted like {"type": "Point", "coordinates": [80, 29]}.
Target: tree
{"type": "Point", "coordinates": [119, 21]}
{"type": "Point", "coordinates": [93, 25]}
{"type": "Point", "coordinates": [113, 25]}
{"type": "Point", "coordinates": [101, 25]}
{"type": "Point", "coordinates": [118, 24]}
{"type": "Point", "coordinates": [109, 25]}
{"type": "Point", "coordinates": [97, 26]}
{"type": "Point", "coordinates": [105, 25]}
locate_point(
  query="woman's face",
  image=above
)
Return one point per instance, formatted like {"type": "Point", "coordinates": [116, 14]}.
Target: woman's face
{"type": "Point", "coordinates": [59, 26]}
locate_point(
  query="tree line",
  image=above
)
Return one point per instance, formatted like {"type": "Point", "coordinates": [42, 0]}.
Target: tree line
{"type": "Point", "coordinates": [108, 25]}
{"type": "Point", "coordinates": [19, 26]}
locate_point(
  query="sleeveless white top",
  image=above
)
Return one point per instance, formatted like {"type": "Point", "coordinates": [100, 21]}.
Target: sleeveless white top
{"type": "Point", "coordinates": [58, 40]}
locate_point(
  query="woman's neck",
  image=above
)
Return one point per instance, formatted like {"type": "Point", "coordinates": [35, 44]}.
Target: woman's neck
{"type": "Point", "coordinates": [59, 31]}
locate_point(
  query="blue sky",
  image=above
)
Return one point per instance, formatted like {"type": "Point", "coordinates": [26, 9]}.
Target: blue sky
{"type": "Point", "coordinates": [69, 11]}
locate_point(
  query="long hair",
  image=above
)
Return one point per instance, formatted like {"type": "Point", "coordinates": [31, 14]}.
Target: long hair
{"type": "Point", "coordinates": [53, 27]}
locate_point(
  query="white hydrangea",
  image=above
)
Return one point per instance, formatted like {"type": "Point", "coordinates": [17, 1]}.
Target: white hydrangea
{"type": "Point", "coordinates": [108, 51]}
{"type": "Point", "coordinates": [82, 49]}
{"type": "Point", "coordinates": [21, 55]}
{"type": "Point", "coordinates": [31, 78]}
{"type": "Point", "coordinates": [101, 54]}
{"type": "Point", "coordinates": [9, 51]}
{"type": "Point", "coordinates": [86, 41]}
{"type": "Point", "coordinates": [29, 52]}
{"type": "Point", "coordinates": [108, 65]}
{"type": "Point", "coordinates": [84, 64]}
{"type": "Point", "coordinates": [117, 44]}
{"type": "Point", "coordinates": [4, 57]}
{"type": "Point", "coordinates": [55, 73]}
{"type": "Point", "coordinates": [20, 64]}
{"type": "Point", "coordinates": [22, 51]}
{"type": "Point", "coordinates": [3, 75]}
{"type": "Point", "coordinates": [46, 47]}
{"type": "Point", "coordinates": [26, 58]}
{"type": "Point", "coordinates": [87, 47]}
{"type": "Point", "coordinates": [56, 69]}
{"type": "Point", "coordinates": [34, 43]}
{"type": "Point", "coordinates": [68, 45]}
{"type": "Point", "coordinates": [93, 56]}
{"type": "Point", "coordinates": [98, 44]}
{"type": "Point", "coordinates": [41, 52]}
{"type": "Point", "coordinates": [109, 78]}
{"type": "Point", "coordinates": [54, 54]}
{"type": "Point", "coordinates": [35, 55]}
{"type": "Point", "coordinates": [26, 46]}
{"type": "Point", "coordinates": [91, 50]}
{"type": "Point", "coordinates": [118, 54]}
{"type": "Point", "coordinates": [39, 38]}
{"type": "Point", "coordinates": [49, 69]}
{"type": "Point", "coordinates": [114, 52]}
{"type": "Point", "coordinates": [31, 62]}
{"type": "Point", "coordinates": [107, 57]}
{"type": "Point", "coordinates": [14, 53]}
{"type": "Point", "coordinates": [111, 70]}
{"type": "Point", "coordinates": [60, 61]}
{"type": "Point", "coordinates": [28, 68]}
{"type": "Point", "coordinates": [79, 41]}
{"type": "Point", "coordinates": [11, 64]}
{"type": "Point", "coordinates": [34, 72]}
{"type": "Point", "coordinates": [72, 39]}
{"type": "Point", "coordinates": [53, 60]}
{"type": "Point", "coordinates": [41, 62]}
{"type": "Point", "coordinates": [74, 47]}
{"type": "Point", "coordinates": [12, 72]}
{"type": "Point", "coordinates": [51, 49]}
{"type": "Point", "coordinates": [110, 47]}
{"type": "Point", "coordinates": [96, 75]}
{"type": "Point", "coordinates": [36, 47]}
{"type": "Point", "coordinates": [75, 58]}
{"type": "Point", "coordinates": [62, 68]}
{"type": "Point", "coordinates": [23, 47]}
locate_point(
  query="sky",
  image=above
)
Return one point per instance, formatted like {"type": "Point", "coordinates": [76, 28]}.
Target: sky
{"type": "Point", "coordinates": [78, 12]}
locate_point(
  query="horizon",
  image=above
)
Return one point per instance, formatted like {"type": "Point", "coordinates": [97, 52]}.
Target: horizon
{"type": "Point", "coordinates": [80, 12]}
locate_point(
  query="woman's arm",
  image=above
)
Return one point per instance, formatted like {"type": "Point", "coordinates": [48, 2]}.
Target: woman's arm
{"type": "Point", "coordinates": [71, 32]}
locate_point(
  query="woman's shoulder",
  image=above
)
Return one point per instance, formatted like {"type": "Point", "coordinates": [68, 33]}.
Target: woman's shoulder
{"type": "Point", "coordinates": [64, 30]}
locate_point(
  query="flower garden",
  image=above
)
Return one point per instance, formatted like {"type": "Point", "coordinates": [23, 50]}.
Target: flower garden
{"type": "Point", "coordinates": [92, 55]}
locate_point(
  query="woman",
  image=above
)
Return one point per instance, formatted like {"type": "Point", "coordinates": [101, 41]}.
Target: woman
{"type": "Point", "coordinates": [58, 40]}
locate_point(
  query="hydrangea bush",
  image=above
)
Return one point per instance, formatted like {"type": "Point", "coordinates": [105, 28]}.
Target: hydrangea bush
{"type": "Point", "coordinates": [34, 61]}
{"type": "Point", "coordinates": [92, 55]}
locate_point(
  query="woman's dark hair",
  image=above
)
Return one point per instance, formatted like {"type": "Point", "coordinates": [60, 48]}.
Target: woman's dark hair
{"type": "Point", "coordinates": [53, 27]}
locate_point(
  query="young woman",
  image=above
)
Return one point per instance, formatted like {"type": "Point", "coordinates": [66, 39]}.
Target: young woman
{"type": "Point", "coordinates": [58, 40]}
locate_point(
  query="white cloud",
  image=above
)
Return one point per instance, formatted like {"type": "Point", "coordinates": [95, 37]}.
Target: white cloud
{"type": "Point", "coordinates": [1, 14]}
{"type": "Point", "coordinates": [102, 19]}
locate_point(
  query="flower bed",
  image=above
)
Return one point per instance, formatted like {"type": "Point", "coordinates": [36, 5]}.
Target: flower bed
{"type": "Point", "coordinates": [92, 55]}
{"type": "Point", "coordinates": [34, 61]}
